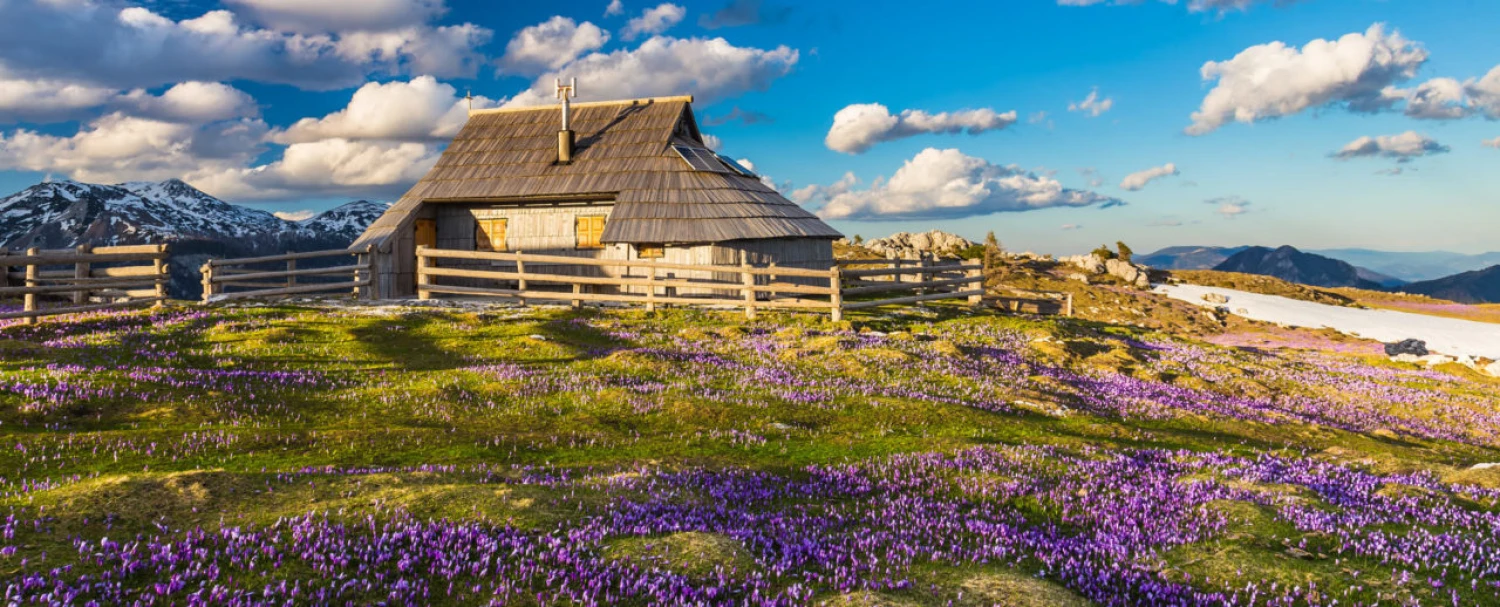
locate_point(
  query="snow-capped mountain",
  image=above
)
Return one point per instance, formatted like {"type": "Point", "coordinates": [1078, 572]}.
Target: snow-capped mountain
{"type": "Point", "coordinates": [63, 214]}
{"type": "Point", "coordinates": [345, 221]}
{"type": "Point", "coordinates": [67, 213]}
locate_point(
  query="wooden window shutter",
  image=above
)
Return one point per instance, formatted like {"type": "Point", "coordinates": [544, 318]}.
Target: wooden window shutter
{"type": "Point", "coordinates": [590, 229]}
{"type": "Point", "coordinates": [651, 251]}
{"type": "Point", "coordinates": [489, 235]}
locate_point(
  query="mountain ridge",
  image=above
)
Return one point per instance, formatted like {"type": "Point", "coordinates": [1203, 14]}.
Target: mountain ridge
{"type": "Point", "coordinates": [1292, 265]}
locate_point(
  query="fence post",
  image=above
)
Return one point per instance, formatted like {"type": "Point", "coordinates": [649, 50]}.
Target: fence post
{"type": "Point", "coordinates": [1070, 305]}
{"type": "Point", "coordinates": [651, 288]}
{"type": "Point", "coordinates": [771, 282]}
{"type": "Point", "coordinates": [423, 278]}
{"type": "Point", "coordinates": [922, 276]}
{"type": "Point", "coordinates": [291, 266]}
{"type": "Point", "coordinates": [749, 281]}
{"type": "Point", "coordinates": [160, 264]}
{"type": "Point", "coordinates": [521, 282]}
{"type": "Point", "coordinates": [81, 271]}
{"type": "Point", "coordinates": [836, 292]}
{"type": "Point", "coordinates": [365, 271]}
{"type": "Point", "coordinates": [32, 272]}
{"type": "Point", "coordinates": [208, 281]}
{"type": "Point", "coordinates": [4, 267]}
{"type": "Point", "coordinates": [977, 272]}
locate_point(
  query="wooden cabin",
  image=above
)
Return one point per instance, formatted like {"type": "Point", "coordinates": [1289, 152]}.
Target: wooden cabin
{"type": "Point", "coordinates": [615, 180]}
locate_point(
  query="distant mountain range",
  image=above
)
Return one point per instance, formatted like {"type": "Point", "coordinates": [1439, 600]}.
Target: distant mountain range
{"type": "Point", "coordinates": [1291, 265]}
{"type": "Point", "coordinates": [1386, 267]}
{"type": "Point", "coordinates": [1479, 286]}
{"type": "Point", "coordinates": [65, 214]}
{"type": "Point", "coordinates": [1317, 269]}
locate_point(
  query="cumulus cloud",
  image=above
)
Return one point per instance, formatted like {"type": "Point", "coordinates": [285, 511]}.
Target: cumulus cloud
{"type": "Point", "coordinates": [615, 8]}
{"type": "Point", "coordinates": [709, 68]}
{"type": "Point", "coordinates": [94, 43]}
{"type": "Point", "coordinates": [43, 100]}
{"type": "Point", "coordinates": [712, 141]}
{"type": "Point", "coordinates": [328, 167]}
{"type": "Point", "coordinates": [765, 179]}
{"type": "Point", "coordinates": [857, 128]}
{"type": "Point", "coordinates": [1137, 181]}
{"type": "Point", "coordinates": [1230, 206]}
{"type": "Point", "coordinates": [1092, 105]}
{"type": "Point", "coordinates": [1274, 80]}
{"type": "Point", "coordinates": [338, 15]}
{"type": "Point", "coordinates": [550, 45]}
{"type": "Point", "coordinates": [945, 184]}
{"type": "Point", "coordinates": [119, 147]}
{"type": "Point", "coordinates": [190, 102]}
{"type": "Point", "coordinates": [420, 110]}
{"type": "Point", "coordinates": [1493, 143]}
{"type": "Point", "coordinates": [1403, 148]}
{"type": "Point", "coordinates": [653, 21]}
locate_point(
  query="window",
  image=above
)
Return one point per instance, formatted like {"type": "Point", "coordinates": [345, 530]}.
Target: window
{"type": "Point", "coordinates": [590, 229]}
{"type": "Point", "coordinates": [489, 235]}
{"type": "Point", "coordinates": [651, 251]}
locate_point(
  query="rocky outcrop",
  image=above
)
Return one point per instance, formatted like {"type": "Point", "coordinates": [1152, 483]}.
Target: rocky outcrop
{"type": "Point", "coordinates": [1414, 347]}
{"type": "Point", "coordinates": [906, 245]}
{"type": "Point", "coordinates": [1133, 274]}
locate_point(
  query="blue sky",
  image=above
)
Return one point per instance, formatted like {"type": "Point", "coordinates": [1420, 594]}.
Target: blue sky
{"type": "Point", "coordinates": [111, 105]}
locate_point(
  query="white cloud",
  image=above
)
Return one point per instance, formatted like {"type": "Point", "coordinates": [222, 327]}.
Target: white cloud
{"type": "Point", "coordinates": [420, 110]}
{"type": "Point", "coordinates": [1092, 105]}
{"type": "Point", "coordinates": [857, 128]}
{"type": "Point", "coordinates": [653, 21]}
{"type": "Point", "coordinates": [1092, 175]}
{"type": "Point", "coordinates": [712, 141]}
{"type": "Point", "coordinates": [1403, 147]}
{"type": "Point", "coordinates": [1274, 80]}
{"type": "Point", "coordinates": [48, 100]}
{"type": "Point", "coordinates": [1484, 94]}
{"type": "Point", "coordinates": [1137, 181]}
{"type": "Point", "coordinates": [710, 69]}
{"type": "Point", "coordinates": [550, 45]}
{"type": "Point", "coordinates": [119, 147]}
{"type": "Point", "coordinates": [823, 193]}
{"type": "Point", "coordinates": [1436, 99]}
{"type": "Point", "coordinates": [314, 16]}
{"type": "Point", "coordinates": [1068, 227]}
{"type": "Point", "coordinates": [1493, 143]}
{"type": "Point", "coordinates": [93, 43]}
{"type": "Point", "coordinates": [1230, 206]}
{"type": "Point", "coordinates": [302, 215]}
{"type": "Point", "coordinates": [328, 167]}
{"type": "Point", "coordinates": [191, 102]}
{"type": "Point", "coordinates": [946, 184]}
{"type": "Point", "coordinates": [615, 8]}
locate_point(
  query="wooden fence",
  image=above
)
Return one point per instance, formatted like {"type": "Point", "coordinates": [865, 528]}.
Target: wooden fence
{"type": "Point", "coordinates": [87, 278]}
{"type": "Point", "coordinates": [255, 277]}
{"type": "Point", "coordinates": [524, 277]}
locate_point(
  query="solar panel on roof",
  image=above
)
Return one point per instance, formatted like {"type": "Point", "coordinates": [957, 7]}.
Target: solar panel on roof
{"type": "Point", "coordinates": [700, 159]}
{"type": "Point", "coordinates": [736, 167]}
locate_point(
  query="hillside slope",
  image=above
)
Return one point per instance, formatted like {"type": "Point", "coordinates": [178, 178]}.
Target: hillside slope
{"type": "Point", "coordinates": [1480, 286]}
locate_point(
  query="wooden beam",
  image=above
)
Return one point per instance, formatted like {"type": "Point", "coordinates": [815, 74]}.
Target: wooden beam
{"type": "Point", "coordinates": [287, 257]}
{"type": "Point", "coordinates": [912, 299]}
{"type": "Point", "coordinates": [338, 286]}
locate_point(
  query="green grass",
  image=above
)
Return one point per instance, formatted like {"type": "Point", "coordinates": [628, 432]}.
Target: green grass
{"type": "Point", "coordinates": [594, 390]}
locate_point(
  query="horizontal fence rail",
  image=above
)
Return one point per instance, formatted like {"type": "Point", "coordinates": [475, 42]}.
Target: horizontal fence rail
{"type": "Point", "coordinates": [85, 278]}
{"type": "Point", "coordinates": [539, 277]}
{"type": "Point", "coordinates": [231, 279]}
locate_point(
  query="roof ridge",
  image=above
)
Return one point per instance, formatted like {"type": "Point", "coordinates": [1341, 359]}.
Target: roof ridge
{"type": "Point", "coordinates": [532, 108]}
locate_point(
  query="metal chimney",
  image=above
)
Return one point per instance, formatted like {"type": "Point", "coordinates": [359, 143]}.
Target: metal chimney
{"type": "Point", "coordinates": [565, 92]}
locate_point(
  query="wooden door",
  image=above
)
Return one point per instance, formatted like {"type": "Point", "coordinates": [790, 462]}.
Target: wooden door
{"type": "Point", "coordinates": [426, 233]}
{"type": "Point", "coordinates": [489, 235]}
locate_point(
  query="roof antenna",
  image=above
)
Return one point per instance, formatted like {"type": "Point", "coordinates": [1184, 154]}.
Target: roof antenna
{"type": "Point", "coordinates": [566, 92]}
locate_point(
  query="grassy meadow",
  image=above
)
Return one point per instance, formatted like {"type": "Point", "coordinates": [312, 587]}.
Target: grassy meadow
{"type": "Point", "coordinates": [928, 456]}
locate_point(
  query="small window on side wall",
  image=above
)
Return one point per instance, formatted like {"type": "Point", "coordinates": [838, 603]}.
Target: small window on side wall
{"type": "Point", "coordinates": [590, 229]}
{"type": "Point", "coordinates": [651, 251]}
{"type": "Point", "coordinates": [489, 235]}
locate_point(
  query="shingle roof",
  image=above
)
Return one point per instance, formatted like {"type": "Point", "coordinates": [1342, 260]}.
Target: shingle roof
{"type": "Point", "coordinates": [623, 153]}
